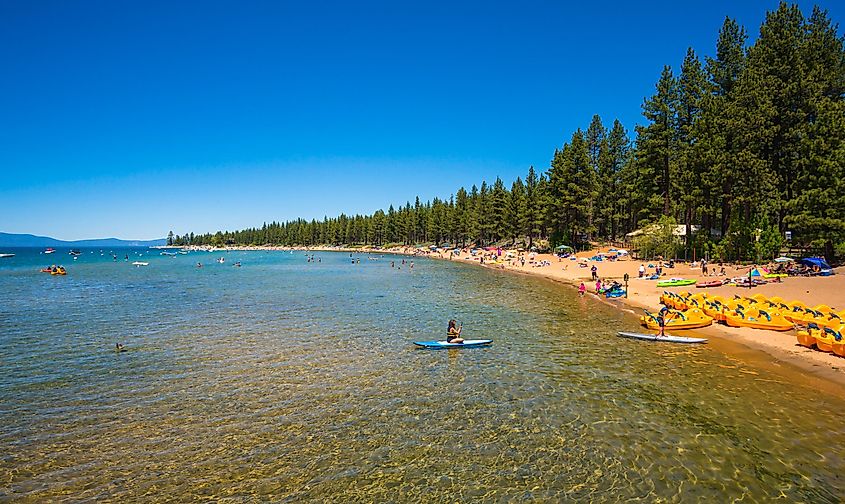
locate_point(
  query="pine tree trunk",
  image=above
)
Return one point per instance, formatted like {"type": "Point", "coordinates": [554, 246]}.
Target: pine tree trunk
{"type": "Point", "coordinates": [666, 183]}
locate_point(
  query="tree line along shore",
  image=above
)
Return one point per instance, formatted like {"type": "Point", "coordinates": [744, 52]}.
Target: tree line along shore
{"type": "Point", "coordinates": [743, 150]}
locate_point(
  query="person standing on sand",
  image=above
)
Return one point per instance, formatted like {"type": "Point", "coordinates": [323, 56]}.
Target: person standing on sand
{"type": "Point", "coordinates": [582, 289]}
{"type": "Point", "coordinates": [642, 270]}
{"type": "Point", "coordinates": [598, 285]}
{"type": "Point", "coordinates": [594, 270]}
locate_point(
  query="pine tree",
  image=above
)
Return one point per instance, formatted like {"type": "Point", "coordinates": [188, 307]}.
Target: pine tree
{"type": "Point", "coordinates": [656, 148]}
{"type": "Point", "coordinates": [596, 138]}
{"type": "Point", "coordinates": [721, 124]}
{"type": "Point", "coordinates": [692, 89]}
{"type": "Point", "coordinates": [571, 181]}
{"type": "Point", "coordinates": [499, 222]}
{"type": "Point", "coordinates": [619, 155]}
{"type": "Point", "coordinates": [534, 207]}
{"type": "Point", "coordinates": [460, 217]}
{"type": "Point", "coordinates": [772, 115]}
{"type": "Point", "coordinates": [817, 208]}
{"type": "Point", "coordinates": [518, 211]}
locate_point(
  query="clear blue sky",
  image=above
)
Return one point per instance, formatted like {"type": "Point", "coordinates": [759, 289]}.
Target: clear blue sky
{"type": "Point", "coordinates": [130, 119]}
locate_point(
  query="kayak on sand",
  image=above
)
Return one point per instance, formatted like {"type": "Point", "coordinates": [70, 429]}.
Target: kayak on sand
{"type": "Point", "coordinates": [675, 282]}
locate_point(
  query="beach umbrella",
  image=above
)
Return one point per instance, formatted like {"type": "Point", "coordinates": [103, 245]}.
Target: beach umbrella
{"type": "Point", "coordinates": [783, 259]}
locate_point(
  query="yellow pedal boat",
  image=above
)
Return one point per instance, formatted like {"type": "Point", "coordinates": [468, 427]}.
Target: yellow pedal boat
{"type": "Point", "coordinates": [806, 339]}
{"type": "Point", "coordinates": [677, 319]}
{"type": "Point", "coordinates": [758, 319]}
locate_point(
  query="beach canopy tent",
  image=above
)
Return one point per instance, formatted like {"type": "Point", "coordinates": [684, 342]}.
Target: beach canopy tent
{"type": "Point", "coordinates": [813, 262]}
{"type": "Point", "coordinates": [783, 259]}
{"type": "Point", "coordinates": [563, 248]}
{"type": "Point", "coordinates": [621, 252]}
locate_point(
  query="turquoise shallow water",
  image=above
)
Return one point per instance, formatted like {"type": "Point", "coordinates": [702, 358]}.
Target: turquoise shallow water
{"type": "Point", "coordinates": [289, 381]}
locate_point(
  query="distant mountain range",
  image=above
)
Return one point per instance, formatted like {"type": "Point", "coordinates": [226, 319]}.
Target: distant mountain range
{"type": "Point", "coordinates": [28, 240]}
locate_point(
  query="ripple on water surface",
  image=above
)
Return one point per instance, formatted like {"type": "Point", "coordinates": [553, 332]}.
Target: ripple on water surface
{"type": "Point", "coordinates": [286, 380]}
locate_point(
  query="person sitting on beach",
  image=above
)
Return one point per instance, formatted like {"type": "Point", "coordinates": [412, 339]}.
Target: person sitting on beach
{"type": "Point", "coordinates": [582, 289]}
{"type": "Point", "coordinates": [453, 333]}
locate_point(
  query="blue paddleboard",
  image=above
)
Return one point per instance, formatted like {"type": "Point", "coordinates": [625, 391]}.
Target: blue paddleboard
{"type": "Point", "coordinates": [443, 344]}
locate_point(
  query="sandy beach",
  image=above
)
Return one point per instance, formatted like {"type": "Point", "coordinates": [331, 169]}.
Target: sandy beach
{"type": "Point", "coordinates": [825, 369]}
{"type": "Point", "coordinates": [644, 294]}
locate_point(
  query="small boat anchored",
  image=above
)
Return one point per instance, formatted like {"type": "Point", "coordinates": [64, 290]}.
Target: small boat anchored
{"type": "Point", "coordinates": [49, 250]}
{"type": "Point", "coordinates": [6, 256]}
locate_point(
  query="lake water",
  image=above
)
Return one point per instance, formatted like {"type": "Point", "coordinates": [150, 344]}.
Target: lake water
{"type": "Point", "coordinates": [284, 380]}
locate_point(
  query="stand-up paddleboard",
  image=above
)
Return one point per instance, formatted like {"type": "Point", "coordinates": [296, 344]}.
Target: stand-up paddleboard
{"type": "Point", "coordinates": [444, 344]}
{"type": "Point", "coordinates": [667, 338]}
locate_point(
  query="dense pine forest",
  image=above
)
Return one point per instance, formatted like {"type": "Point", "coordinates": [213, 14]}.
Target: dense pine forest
{"type": "Point", "coordinates": [742, 149]}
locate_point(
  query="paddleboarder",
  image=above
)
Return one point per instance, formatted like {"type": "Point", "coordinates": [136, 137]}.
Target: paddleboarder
{"type": "Point", "coordinates": [661, 320]}
{"type": "Point", "coordinates": [453, 333]}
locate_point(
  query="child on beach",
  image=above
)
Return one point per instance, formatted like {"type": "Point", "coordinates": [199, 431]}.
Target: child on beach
{"type": "Point", "coordinates": [582, 289]}
{"type": "Point", "coordinates": [598, 286]}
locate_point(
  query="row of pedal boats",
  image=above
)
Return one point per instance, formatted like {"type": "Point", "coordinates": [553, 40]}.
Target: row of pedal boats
{"type": "Point", "coordinates": [820, 326]}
